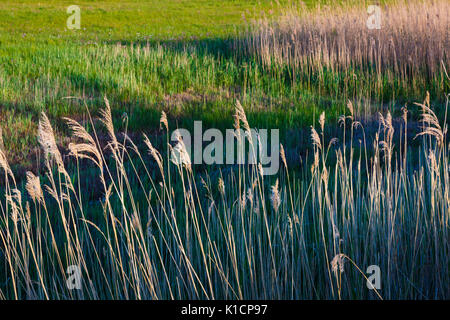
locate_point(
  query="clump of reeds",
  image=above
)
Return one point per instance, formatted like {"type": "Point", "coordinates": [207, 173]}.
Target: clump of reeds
{"type": "Point", "coordinates": [160, 230]}
{"type": "Point", "coordinates": [320, 46]}
{"type": "Point", "coordinates": [413, 37]}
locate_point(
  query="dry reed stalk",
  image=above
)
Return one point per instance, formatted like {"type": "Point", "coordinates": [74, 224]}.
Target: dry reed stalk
{"type": "Point", "coordinates": [47, 141]}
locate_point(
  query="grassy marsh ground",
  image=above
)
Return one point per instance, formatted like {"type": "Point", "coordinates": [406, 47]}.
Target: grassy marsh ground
{"type": "Point", "coordinates": [178, 60]}
{"type": "Point", "coordinates": [101, 196]}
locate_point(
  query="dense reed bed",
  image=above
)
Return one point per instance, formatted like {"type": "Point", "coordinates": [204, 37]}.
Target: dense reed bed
{"type": "Point", "coordinates": [168, 231]}
{"type": "Point", "coordinates": [334, 47]}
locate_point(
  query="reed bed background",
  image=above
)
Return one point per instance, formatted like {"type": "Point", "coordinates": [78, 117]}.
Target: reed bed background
{"type": "Point", "coordinates": [165, 231]}
{"type": "Point", "coordinates": [333, 46]}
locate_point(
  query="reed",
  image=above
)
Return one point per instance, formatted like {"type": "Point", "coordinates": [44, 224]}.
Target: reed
{"type": "Point", "coordinates": [333, 46]}
{"type": "Point", "coordinates": [165, 230]}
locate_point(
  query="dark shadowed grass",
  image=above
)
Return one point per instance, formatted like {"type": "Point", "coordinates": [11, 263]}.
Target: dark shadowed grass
{"type": "Point", "coordinates": [197, 81]}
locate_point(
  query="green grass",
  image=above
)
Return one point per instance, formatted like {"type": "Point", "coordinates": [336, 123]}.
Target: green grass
{"type": "Point", "coordinates": [175, 57]}
{"type": "Point", "coordinates": [133, 20]}
{"type": "Point", "coordinates": [126, 20]}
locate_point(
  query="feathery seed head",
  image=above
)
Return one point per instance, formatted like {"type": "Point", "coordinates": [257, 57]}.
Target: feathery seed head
{"type": "Point", "coordinates": [315, 138]}
{"type": "Point", "coordinates": [33, 187]}
{"type": "Point", "coordinates": [322, 120]}
{"type": "Point", "coordinates": [283, 155]}
{"type": "Point", "coordinates": [46, 139]}
{"type": "Point", "coordinates": [275, 197]}
{"type": "Point", "coordinates": [221, 186]}
{"type": "Point", "coordinates": [163, 121]}
{"type": "Point", "coordinates": [338, 263]}
{"type": "Point", "coordinates": [154, 153]}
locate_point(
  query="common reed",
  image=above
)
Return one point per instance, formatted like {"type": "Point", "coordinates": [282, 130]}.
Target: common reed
{"type": "Point", "coordinates": [332, 47]}
{"type": "Point", "coordinates": [413, 38]}
{"type": "Point", "coordinates": [231, 233]}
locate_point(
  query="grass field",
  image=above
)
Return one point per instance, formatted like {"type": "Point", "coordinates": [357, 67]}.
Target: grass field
{"type": "Point", "coordinates": [135, 20]}
{"type": "Point", "coordinates": [94, 192]}
{"type": "Point", "coordinates": [145, 68]}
